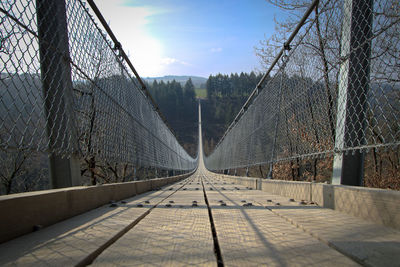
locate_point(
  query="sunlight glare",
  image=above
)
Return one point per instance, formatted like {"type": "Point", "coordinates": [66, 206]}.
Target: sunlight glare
{"type": "Point", "coordinates": [130, 25]}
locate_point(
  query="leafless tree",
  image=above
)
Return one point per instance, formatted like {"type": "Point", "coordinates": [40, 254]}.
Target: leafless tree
{"type": "Point", "coordinates": [22, 169]}
{"type": "Point", "coordinates": [321, 51]}
{"type": "Point", "coordinates": [91, 132]}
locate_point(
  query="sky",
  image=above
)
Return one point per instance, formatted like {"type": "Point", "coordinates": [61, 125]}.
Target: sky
{"type": "Point", "coordinates": [190, 37]}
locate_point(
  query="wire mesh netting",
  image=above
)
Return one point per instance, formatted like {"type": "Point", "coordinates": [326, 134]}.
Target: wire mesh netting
{"type": "Point", "coordinates": [336, 90]}
{"type": "Point", "coordinates": [66, 90]}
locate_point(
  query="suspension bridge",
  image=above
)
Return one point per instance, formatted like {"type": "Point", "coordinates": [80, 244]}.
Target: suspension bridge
{"type": "Point", "coordinates": [208, 219]}
{"type": "Point", "coordinates": [69, 92]}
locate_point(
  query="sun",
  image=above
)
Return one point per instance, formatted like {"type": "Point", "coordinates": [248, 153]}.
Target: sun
{"type": "Point", "coordinates": [131, 27]}
{"type": "Point", "coordinates": [146, 56]}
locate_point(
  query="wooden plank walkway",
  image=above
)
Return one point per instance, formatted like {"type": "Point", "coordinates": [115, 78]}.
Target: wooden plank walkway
{"type": "Point", "coordinates": [254, 236]}
{"type": "Point", "coordinates": [69, 242]}
{"type": "Point", "coordinates": [172, 227]}
{"type": "Point", "coordinates": [363, 241]}
{"type": "Point", "coordinates": [176, 233]}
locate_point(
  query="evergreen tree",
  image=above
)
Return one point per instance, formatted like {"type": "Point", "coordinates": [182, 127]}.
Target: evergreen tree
{"type": "Point", "coordinates": [189, 93]}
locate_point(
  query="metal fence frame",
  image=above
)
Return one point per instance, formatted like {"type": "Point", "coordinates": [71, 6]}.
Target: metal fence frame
{"type": "Point", "coordinates": [351, 101]}
{"type": "Point", "coordinates": [52, 30]}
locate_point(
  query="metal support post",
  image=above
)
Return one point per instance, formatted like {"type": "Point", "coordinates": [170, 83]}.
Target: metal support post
{"type": "Point", "coordinates": [277, 118]}
{"type": "Point", "coordinates": [235, 172]}
{"type": "Point", "coordinates": [247, 172]}
{"type": "Point", "coordinates": [57, 90]}
{"type": "Point", "coordinates": [270, 172]}
{"type": "Point", "coordinates": [348, 168]}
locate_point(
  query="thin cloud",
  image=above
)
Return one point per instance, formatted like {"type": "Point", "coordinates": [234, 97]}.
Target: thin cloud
{"type": "Point", "coordinates": [216, 49]}
{"type": "Point", "coordinates": [169, 61]}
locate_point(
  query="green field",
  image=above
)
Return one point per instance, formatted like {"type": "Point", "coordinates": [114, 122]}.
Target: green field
{"type": "Point", "coordinates": [201, 93]}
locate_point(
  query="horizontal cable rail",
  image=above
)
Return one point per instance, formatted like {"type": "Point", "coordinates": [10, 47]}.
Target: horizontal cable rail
{"type": "Point", "coordinates": [333, 89]}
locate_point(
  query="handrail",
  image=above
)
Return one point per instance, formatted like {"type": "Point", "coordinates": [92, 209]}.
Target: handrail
{"type": "Point", "coordinates": [254, 93]}
{"type": "Point", "coordinates": [118, 46]}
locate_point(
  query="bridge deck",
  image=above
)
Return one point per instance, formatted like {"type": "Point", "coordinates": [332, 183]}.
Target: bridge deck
{"type": "Point", "coordinates": [146, 231]}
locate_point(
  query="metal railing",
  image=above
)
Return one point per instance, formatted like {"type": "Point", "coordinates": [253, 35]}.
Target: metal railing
{"type": "Point", "coordinates": [69, 91]}
{"type": "Point", "coordinates": [333, 89]}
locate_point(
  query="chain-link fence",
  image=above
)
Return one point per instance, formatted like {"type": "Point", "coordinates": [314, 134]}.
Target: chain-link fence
{"type": "Point", "coordinates": [68, 91]}
{"type": "Point", "coordinates": [335, 90]}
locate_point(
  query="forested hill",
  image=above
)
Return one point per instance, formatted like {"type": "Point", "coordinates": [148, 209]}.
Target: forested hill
{"type": "Point", "coordinates": [198, 82]}
{"type": "Point", "coordinates": [179, 105]}
{"type": "Point", "coordinates": [225, 96]}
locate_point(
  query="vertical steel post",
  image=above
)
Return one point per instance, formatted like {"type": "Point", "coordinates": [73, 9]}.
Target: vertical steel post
{"type": "Point", "coordinates": [57, 90]}
{"type": "Point", "coordinates": [348, 168]}
{"type": "Point", "coordinates": [270, 172]}
{"type": "Point", "coordinates": [271, 164]}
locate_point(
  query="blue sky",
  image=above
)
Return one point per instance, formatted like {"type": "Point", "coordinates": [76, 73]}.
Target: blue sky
{"type": "Point", "coordinates": [192, 37]}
